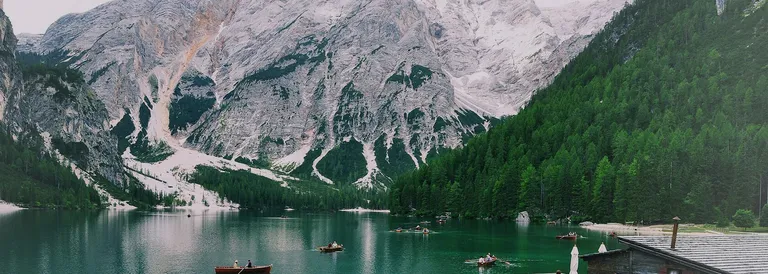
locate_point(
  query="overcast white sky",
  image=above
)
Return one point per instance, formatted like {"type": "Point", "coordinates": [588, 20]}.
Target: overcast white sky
{"type": "Point", "coordinates": [34, 16]}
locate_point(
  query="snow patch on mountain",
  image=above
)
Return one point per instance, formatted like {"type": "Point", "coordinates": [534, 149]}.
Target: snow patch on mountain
{"type": "Point", "coordinates": [172, 174]}
{"type": "Point", "coordinates": [372, 170]}
{"type": "Point", "coordinates": [293, 160]}
{"type": "Point", "coordinates": [6, 207]}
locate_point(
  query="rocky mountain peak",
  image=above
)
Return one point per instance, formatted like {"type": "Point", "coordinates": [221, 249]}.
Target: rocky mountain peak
{"type": "Point", "coordinates": [300, 85]}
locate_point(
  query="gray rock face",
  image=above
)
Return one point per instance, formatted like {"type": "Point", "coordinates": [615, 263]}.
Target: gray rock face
{"type": "Point", "coordinates": [278, 80]}
{"type": "Point", "coordinates": [10, 74]}
{"type": "Point", "coordinates": [27, 42]}
{"type": "Point", "coordinates": [57, 104]}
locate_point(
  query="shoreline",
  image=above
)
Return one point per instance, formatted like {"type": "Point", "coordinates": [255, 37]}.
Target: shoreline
{"type": "Point", "coordinates": [624, 229]}
{"type": "Point", "coordinates": [365, 210]}
{"type": "Point", "coordinates": [654, 230]}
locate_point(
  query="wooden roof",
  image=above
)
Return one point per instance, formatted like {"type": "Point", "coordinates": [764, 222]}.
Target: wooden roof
{"type": "Point", "coordinates": [709, 254]}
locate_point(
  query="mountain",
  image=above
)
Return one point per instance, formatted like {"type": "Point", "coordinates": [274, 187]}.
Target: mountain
{"type": "Point", "coordinates": [662, 115]}
{"type": "Point", "coordinates": [29, 174]}
{"type": "Point", "coordinates": [340, 91]}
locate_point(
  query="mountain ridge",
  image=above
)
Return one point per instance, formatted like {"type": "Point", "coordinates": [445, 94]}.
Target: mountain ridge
{"type": "Point", "coordinates": [420, 75]}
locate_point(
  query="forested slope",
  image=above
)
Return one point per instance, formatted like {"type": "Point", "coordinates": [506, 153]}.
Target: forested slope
{"type": "Point", "coordinates": [665, 113]}
{"type": "Point", "coordinates": [257, 192]}
{"type": "Point", "coordinates": [34, 179]}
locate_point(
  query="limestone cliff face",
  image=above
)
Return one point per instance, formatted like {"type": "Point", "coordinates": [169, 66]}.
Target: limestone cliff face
{"type": "Point", "coordinates": [64, 110]}
{"type": "Point", "coordinates": [10, 75]}
{"type": "Point", "coordinates": [57, 104]}
{"type": "Point", "coordinates": [290, 82]}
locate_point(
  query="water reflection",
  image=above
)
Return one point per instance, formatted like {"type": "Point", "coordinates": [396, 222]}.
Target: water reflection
{"type": "Point", "coordinates": [170, 242]}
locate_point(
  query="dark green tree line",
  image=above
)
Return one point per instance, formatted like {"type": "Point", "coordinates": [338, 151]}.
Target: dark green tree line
{"type": "Point", "coordinates": [257, 192]}
{"type": "Point", "coordinates": [35, 179]}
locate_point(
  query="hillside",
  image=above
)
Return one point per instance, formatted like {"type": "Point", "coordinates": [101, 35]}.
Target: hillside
{"type": "Point", "coordinates": [662, 115]}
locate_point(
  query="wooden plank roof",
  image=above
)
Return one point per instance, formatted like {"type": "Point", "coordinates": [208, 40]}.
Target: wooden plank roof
{"type": "Point", "coordinates": [711, 254]}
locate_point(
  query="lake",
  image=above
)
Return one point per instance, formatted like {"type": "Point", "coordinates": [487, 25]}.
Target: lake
{"type": "Point", "coordinates": [170, 242]}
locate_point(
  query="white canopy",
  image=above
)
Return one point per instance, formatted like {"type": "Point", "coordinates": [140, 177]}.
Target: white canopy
{"type": "Point", "coordinates": [574, 260]}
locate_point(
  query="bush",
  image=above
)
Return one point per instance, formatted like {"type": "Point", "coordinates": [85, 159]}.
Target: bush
{"type": "Point", "coordinates": [744, 219]}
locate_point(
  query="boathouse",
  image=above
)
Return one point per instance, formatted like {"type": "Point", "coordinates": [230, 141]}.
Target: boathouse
{"type": "Point", "coordinates": [686, 255]}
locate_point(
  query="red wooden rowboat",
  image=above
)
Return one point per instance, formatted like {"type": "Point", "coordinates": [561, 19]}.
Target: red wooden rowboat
{"type": "Point", "coordinates": [492, 262]}
{"type": "Point", "coordinates": [242, 270]}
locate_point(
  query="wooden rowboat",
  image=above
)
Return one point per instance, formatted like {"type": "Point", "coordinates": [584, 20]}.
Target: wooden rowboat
{"type": "Point", "coordinates": [487, 264]}
{"type": "Point", "coordinates": [242, 270]}
{"type": "Point", "coordinates": [331, 249]}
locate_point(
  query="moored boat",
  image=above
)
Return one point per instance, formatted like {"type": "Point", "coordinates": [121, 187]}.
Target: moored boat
{"type": "Point", "coordinates": [492, 262]}
{"type": "Point", "coordinates": [569, 236]}
{"type": "Point", "coordinates": [327, 249]}
{"type": "Point", "coordinates": [241, 270]}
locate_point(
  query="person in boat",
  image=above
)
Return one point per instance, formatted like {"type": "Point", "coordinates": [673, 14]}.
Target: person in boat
{"type": "Point", "coordinates": [250, 265]}
{"type": "Point", "coordinates": [329, 245]}
{"type": "Point", "coordinates": [334, 245]}
{"type": "Point", "coordinates": [488, 257]}
{"type": "Point", "coordinates": [235, 265]}
{"type": "Point", "coordinates": [571, 234]}
{"type": "Point", "coordinates": [481, 260]}
{"type": "Point", "coordinates": [418, 227]}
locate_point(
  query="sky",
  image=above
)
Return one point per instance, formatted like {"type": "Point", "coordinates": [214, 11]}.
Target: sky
{"type": "Point", "coordinates": [34, 16]}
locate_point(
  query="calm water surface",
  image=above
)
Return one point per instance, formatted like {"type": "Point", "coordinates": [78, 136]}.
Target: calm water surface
{"type": "Point", "coordinates": [169, 242]}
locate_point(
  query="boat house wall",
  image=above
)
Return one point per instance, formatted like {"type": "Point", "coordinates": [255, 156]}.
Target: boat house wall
{"type": "Point", "coordinates": [632, 261]}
